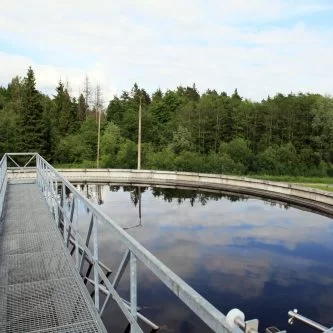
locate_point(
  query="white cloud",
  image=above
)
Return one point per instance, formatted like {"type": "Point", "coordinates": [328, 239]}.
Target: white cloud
{"type": "Point", "coordinates": [223, 45]}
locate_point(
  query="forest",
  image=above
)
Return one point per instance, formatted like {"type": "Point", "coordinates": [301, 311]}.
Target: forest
{"type": "Point", "coordinates": [182, 129]}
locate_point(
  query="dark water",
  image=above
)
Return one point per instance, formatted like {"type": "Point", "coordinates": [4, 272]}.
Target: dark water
{"type": "Point", "coordinates": [261, 257]}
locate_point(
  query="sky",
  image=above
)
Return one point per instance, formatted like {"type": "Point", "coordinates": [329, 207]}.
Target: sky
{"type": "Point", "coordinates": [260, 47]}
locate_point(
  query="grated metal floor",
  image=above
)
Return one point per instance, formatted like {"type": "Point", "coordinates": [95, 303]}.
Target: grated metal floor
{"type": "Point", "coordinates": [40, 290]}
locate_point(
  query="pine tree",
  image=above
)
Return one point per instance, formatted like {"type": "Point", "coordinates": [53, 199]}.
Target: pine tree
{"type": "Point", "coordinates": [82, 108]}
{"type": "Point", "coordinates": [74, 124]}
{"type": "Point", "coordinates": [33, 129]}
{"type": "Point", "coordinates": [62, 110]}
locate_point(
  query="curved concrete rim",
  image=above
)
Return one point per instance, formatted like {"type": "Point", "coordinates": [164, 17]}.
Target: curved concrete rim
{"type": "Point", "coordinates": [316, 200]}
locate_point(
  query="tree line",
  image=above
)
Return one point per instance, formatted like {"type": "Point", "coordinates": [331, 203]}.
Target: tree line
{"type": "Point", "coordinates": [181, 129]}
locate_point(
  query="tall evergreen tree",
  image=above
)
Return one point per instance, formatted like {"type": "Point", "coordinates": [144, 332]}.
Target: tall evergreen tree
{"type": "Point", "coordinates": [81, 108]}
{"type": "Point", "coordinates": [62, 110]}
{"type": "Point", "coordinates": [33, 129]}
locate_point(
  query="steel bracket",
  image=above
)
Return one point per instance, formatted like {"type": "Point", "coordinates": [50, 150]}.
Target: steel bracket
{"type": "Point", "coordinates": [251, 326]}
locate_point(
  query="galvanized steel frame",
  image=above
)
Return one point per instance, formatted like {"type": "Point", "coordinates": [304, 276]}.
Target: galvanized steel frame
{"type": "Point", "coordinates": [49, 179]}
{"type": "Point", "coordinates": [3, 182]}
{"type": "Point", "coordinates": [3, 172]}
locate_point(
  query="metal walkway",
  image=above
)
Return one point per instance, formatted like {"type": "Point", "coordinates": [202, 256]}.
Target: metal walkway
{"type": "Point", "coordinates": [40, 289]}
{"type": "Point", "coordinates": [43, 286]}
{"type": "Point", "coordinates": [44, 289]}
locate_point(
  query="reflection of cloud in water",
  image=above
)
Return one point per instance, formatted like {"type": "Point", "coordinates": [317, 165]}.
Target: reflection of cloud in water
{"type": "Point", "coordinates": [270, 224]}
{"type": "Point", "coordinates": [231, 252]}
{"type": "Point", "coordinates": [221, 223]}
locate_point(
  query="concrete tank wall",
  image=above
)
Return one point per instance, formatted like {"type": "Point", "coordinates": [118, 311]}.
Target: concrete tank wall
{"type": "Point", "coordinates": [308, 197]}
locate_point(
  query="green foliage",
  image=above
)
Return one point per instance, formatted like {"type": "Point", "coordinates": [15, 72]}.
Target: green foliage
{"type": "Point", "coordinates": [111, 141]}
{"type": "Point", "coordinates": [161, 160]}
{"type": "Point", "coordinates": [127, 155]}
{"type": "Point", "coordinates": [182, 140]}
{"type": "Point", "coordinates": [9, 131]}
{"type": "Point", "coordinates": [70, 150]}
{"type": "Point", "coordinates": [88, 136]}
{"type": "Point", "coordinates": [238, 150]}
{"type": "Point", "coordinates": [81, 108]}
{"type": "Point", "coordinates": [181, 130]}
{"type": "Point", "coordinates": [34, 131]}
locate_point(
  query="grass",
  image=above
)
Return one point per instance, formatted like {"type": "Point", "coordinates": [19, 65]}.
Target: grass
{"type": "Point", "coordinates": [319, 183]}
{"type": "Point", "coordinates": [323, 187]}
{"type": "Point", "coordinates": [296, 179]}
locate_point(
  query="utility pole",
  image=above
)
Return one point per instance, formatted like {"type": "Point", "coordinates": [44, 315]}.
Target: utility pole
{"type": "Point", "coordinates": [98, 136]}
{"type": "Point", "coordinates": [98, 108]}
{"type": "Point", "coordinates": [139, 138]}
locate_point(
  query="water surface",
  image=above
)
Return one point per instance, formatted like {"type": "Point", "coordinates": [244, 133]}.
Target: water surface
{"type": "Point", "coordinates": [263, 257]}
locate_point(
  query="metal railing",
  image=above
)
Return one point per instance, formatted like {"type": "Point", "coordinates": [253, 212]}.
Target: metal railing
{"type": "Point", "coordinates": [295, 316]}
{"type": "Point", "coordinates": [4, 166]}
{"type": "Point", "coordinates": [50, 180]}
{"type": "Point", "coordinates": [3, 182]}
{"type": "Point", "coordinates": [57, 190]}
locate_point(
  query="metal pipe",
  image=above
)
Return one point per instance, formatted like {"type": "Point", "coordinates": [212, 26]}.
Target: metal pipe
{"type": "Point", "coordinates": [133, 289]}
{"type": "Point", "coordinates": [95, 258]}
{"type": "Point", "coordinates": [244, 326]}
{"type": "Point", "coordinates": [240, 323]}
{"type": "Point", "coordinates": [21, 154]}
{"type": "Point", "coordinates": [294, 315]}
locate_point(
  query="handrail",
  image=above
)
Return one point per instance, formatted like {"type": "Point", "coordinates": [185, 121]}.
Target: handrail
{"type": "Point", "coordinates": [3, 172]}
{"type": "Point", "coordinates": [3, 181]}
{"type": "Point", "coordinates": [50, 180]}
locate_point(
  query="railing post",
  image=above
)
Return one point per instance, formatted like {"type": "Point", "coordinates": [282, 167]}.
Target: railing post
{"type": "Point", "coordinates": [56, 201]}
{"type": "Point", "coordinates": [133, 281]}
{"type": "Point", "coordinates": [50, 187]}
{"type": "Point", "coordinates": [96, 279]}
{"type": "Point", "coordinates": [64, 209]}
{"type": "Point", "coordinates": [70, 221]}
{"type": "Point", "coordinates": [48, 190]}
{"type": "Point", "coordinates": [3, 181]}
{"type": "Point", "coordinates": [37, 178]}
{"type": "Point", "coordinates": [76, 230]}
{"type": "Point", "coordinates": [38, 175]}
{"type": "Point", "coordinates": [87, 243]}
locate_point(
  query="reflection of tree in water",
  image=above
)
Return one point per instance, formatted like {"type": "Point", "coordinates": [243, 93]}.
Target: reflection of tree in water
{"type": "Point", "coordinates": [92, 191]}
{"type": "Point", "coordinates": [114, 188]}
{"type": "Point", "coordinates": [194, 196]}
{"type": "Point", "coordinates": [277, 203]}
{"type": "Point", "coordinates": [135, 193]}
{"type": "Point", "coordinates": [181, 195]}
